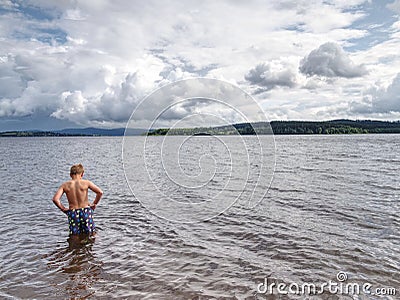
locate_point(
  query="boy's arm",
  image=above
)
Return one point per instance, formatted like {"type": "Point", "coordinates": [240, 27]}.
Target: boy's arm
{"type": "Point", "coordinates": [57, 197]}
{"type": "Point", "coordinates": [99, 194]}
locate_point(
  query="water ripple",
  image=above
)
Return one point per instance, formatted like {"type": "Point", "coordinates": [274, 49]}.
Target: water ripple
{"type": "Point", "coordinates": [333, 206]}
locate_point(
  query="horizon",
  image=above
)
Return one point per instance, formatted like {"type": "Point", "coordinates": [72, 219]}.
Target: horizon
{"type": "Point", "coordinates": [146, 129]}
{"type": "Point", "coordinates": [299, 60]}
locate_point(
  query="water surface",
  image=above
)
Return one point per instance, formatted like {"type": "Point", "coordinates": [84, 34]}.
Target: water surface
{"type": "Point", "coordinates": [333, 206]}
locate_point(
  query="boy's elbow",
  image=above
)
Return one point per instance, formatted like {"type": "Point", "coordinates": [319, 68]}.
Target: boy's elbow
{"type": "Point", "coordinates": [100, 193]}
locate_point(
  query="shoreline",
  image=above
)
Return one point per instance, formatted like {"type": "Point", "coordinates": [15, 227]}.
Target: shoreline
{"type": "Point", "coordinates": [256, 128]}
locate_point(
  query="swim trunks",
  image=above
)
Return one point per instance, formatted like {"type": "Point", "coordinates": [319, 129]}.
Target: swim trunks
{"type": "Point", "coordinates": [80, 220]}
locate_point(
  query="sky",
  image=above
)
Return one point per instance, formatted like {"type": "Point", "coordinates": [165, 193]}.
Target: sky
{"type": "Point", "coordinates": [90, 63]}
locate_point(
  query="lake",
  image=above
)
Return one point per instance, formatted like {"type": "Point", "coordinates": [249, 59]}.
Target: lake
{"type": "Point", "coordinates": [331, 213]}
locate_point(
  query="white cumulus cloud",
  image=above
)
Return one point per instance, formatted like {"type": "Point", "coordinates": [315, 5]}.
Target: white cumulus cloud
{"type": "Point", "coordinates": [268, 75]}
{"type": "Point", "coordinates": [379, 99]}
{"type": "Point", "coordinates": [89, 62]}
{"type": "Point", "coordinates": [330, 60]}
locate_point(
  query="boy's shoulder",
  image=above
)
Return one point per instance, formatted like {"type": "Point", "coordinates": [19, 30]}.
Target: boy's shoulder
{"type": "Point", "coordinates": [70, 182]}
{"type": "Point", "coordinates": [86, 183]}
{"type": "Point", "coordinates": [65, 183]}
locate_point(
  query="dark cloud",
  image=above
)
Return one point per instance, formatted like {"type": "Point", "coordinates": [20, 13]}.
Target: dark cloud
{"type": "Point", "coordinates": [267, 76]}
{"type": "Point", "coordinates": [60, 60]}
{"type": "Point", "coordinates": [114, 105]}
{"type": "Point", "coordinates": [330, 60]}
{"type": "Point", "coordinates": [379, 99]}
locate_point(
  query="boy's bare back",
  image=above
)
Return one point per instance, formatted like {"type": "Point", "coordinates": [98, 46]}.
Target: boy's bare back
{"type": "Point", "coordinates": [79, 211]}
{"type": "Point", "coordinates": [76, 191]}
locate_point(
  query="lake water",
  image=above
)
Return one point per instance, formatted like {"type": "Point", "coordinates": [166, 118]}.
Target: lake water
{"type": "Point", "coordinates": [332, 206]}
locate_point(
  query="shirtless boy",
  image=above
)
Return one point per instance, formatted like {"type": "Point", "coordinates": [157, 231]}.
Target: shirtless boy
{"type": "Point", "coordinates": [80, 212]}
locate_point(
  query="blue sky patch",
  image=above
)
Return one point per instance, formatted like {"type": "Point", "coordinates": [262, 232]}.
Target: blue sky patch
{"type": "Point", "coordinates": [377, 21]}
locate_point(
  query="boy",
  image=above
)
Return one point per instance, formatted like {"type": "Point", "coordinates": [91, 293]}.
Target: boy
{"type": "Point", "coordinates": [80, 212]}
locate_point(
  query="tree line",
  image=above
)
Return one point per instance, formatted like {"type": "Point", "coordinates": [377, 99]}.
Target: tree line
{"type": "Point", "coordinates": [289, 127]}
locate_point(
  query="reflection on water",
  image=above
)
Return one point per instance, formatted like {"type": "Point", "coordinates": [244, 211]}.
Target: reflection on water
{"type": "Point", "coordinates": [76, 267]}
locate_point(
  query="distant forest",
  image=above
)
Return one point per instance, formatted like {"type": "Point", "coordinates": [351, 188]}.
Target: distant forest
{"type": "Point", "coordinates": [289, 127]}
{"type": "Point", "coordinates": [277, 127]}
{"type": "Point", "coordinates": [36, 133]}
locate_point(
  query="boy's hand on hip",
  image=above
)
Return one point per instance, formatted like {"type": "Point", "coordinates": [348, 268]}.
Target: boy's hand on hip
{"type": "Point", "coordinates": [93, 206]}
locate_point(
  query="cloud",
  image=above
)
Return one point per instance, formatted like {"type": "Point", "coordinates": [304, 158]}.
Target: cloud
{"type": "Point", "coordinates": [115, 102]}
{"type": "Point", "coordinates": [268, 75]}
{"type": "Point", "coordinates": [61, 59]}
{"type": "Point", "coordinates": [394, 6]}
{"type": "Point", "coordinates": [74, 107]}
{"type": "Point", "coordinates": [330, 60]}
{"type": "Point", "coordinates": [28, 84]}
{"type": "Point", "coordinates": [12, 82]}
{"type": "Point", "coordinates": [8, 5]}
{"type": "Point", "coordinates": [379, 99]}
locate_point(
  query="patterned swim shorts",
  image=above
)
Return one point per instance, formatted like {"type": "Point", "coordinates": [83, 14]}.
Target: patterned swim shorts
{"type": "Point", "coordinates": [80, 220]}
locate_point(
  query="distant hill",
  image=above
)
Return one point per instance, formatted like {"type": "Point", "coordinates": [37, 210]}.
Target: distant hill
{"type": "Point", "coordinates": [74, 132]}
{"type": "Point", "coordinates": [278, 127]}
{"type": "Point", "coordinates": [33, 133]}
{"type": "Point", "coordinates": [290, 127]}
{"type": "Point", "coordinates": [335, 127]}
{"type": "Point", "coordinates": [101, 132]}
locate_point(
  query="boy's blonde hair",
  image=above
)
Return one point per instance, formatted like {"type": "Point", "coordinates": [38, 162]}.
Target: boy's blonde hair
{"type": "Point", "coordinates": [76, 169]}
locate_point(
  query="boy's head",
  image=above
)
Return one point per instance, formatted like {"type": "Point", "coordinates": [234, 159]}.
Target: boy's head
{"type": "Point", "coordinates": [76, 170]}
